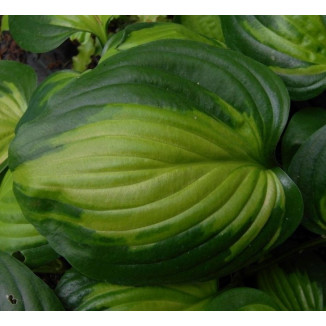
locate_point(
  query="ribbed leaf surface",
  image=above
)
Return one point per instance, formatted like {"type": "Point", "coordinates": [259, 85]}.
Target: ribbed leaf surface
{"type": "Point", "coordinates": [17, 82]}
{"type": "Point", "coordinates": [78, 292]}
{"type": "Point", "coordinates": [20, 289]}
{"type": "Point", "coordinates": [16, 233]}
{"type": "Point", "coordinates": [308, 170]}
{"type": "Point", "coordinates": [292, 46]}
{"type": "Point", "coordinates": [157, 166]}
{"type": "Point", "coordinates": [298, 286]}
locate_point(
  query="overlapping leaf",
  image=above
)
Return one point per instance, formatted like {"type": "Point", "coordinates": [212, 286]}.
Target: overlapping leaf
{"type": "Point", "coordinates": [292, 46]}
{"type": "Point", "coordinates": [301, 126]}
{"type": "Point", "coordinates": [78, 292]}
{"type": "Point", "coordinates": [20, 289]}
{"type": "Point", "coordinates": [296, 285]}
{"type": "Point", "coordinates": [158, 165]}
{"type": "Point", "coordinates": [17, 83]}
{"type": "Point", "coordinates": [240, 299]}
{"type": "Point", "coordinates": [142, 33]}
{"type": "Point", "coordinates": [308, 170]}
{"type": "Point", "coordinates": [39, 33]}
{"type": "Point", "coordinates": [207, 25]}
{"type": "Point", "coordinates": [16, 233]}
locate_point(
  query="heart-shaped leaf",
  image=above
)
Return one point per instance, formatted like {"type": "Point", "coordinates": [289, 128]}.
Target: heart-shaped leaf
{"type": "Point", "coordinates": [158, 165]}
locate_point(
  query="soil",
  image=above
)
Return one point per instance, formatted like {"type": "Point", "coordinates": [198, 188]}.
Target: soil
{"type": "Point", "coordinates": [44, 64]}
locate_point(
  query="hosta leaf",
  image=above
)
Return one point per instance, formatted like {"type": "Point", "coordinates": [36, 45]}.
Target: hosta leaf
{"type": "Point", "coordinates": [296, 285]}
{"type": "Point", "coordinates": [207, 25]}
{"type": "Point", "coordinates": [50, 86]}
{"type": "Point", "coordinates": [308, 170]}
{"type": "Point", "coordinates": [292, 46]}
{"type": "Point", "coordinates": [16, 233]}
{"type": "Point", "coordinates": [20, 289]}
{"type": "Point", "coordinates": [142, 33]}
{"type": "Point", "coordinates": [302, 125]}
{"type": "Point", "coordinates": [17, 82]}
{"type": "Point", "coordinates": [40, 33]}
{"type": "Point", "coordinates": [78, 292]}
{"type": "Point", "coordinates": [158, 165]}
{"type": "Point", "coordinates": [239, 299]}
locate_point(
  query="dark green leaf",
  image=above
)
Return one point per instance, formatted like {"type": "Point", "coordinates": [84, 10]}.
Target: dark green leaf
{"type": "Point", "coordinates": [308, 170]}
{"type": "Point", "coordinates": [41, 33]}
{"type": "Point", "coordinates": [158, 165]}
{"type": "Point", "coordinates": [142, 33]}
{"type": "Point", "coordinates": [292, 46]}
{"type": "Point", "coordinates": [302, 125]}
{"type": "Point", "coordinates": [298, 284]}
{"type": "Point", "coordinates": [20, 289]}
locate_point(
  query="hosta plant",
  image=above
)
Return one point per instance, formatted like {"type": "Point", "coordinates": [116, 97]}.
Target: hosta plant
{"type": "Point", "coordinates": [292, 46]}
{"type": "Point", "coordinates": [42, 33]}
{"type": "Point", "coordinates": [158, 165]}
{"type": "Point", "coordinates": [301, 126]}
{"type": "Point", "coordinates": [17, 235]}
{"type": "Point", "coordinates": [304, 155]}
{"type": "Point", "coordinates": [308, 170]}
{"type": "Point", "coordinates": [297, 284]}
{"type": "Point", "coordinates": [17, 83]}
{"type": "Point", "coordinates": [21, 289]}
{"type": "Point", "coordinates": [78, 292]}
{"type": "Point", "coordinates": [142, 33]}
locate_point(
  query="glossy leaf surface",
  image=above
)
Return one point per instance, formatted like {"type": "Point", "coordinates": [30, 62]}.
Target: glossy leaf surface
{"type": "Point", "coordinates": [20, 289]}
{"type": "Point", "coordinates": [308, 170]}
{"type": "Point", "coordinates": [17, 82]}
{"type": "Point", "coordinates": [301, 126]}
{"type": "Point", "coordinates": [158, 165]}
{"type": "Point", "coordinates": [292, 46]}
